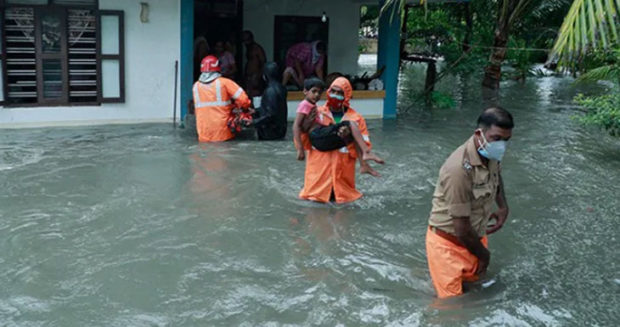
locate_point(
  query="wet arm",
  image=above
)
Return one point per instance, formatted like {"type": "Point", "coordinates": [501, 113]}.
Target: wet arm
{"type": "Point", "coordinates": [297, 130]}
{"type": "Point", "coordinates": [500, 198]}
{"type": "Point", "coordinates": [266, 109]}
{"type": "Point", "coordinates": [466, 235]}
{"type": "Point", "coordinates": [239, 97]}
{"type": "Point", "coordinates": [319, 69]}
{"type": "Point", "coordinates": [308, 121]}
{"type": "Point", "coordinates": [264, 117]}
{"type": "Point", "coordinates": [501, 215]}
{"type": "Point", "coordinates": [458, 192]}
{"type": "Point", "coordinates": [260, 54]}
{"type": "Point", "coordinates": [361, 124]}
{"type": "Point", "coordinates": [319, 72]}
{"type": "Point", "coordinates": [300, 73]}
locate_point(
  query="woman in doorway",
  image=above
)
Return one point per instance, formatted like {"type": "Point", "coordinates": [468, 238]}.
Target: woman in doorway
{"type": "Point", "coordinates": [304, 60]}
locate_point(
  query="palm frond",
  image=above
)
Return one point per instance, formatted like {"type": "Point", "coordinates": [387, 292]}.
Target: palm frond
{"type": "Point", "coordinates": [589, 24]}
{"type": "Point", "coordinates": [545, 8]}
{"type": "Point", "coordinates": [398, 7]}
{"type": "Point", "coordinates": [609, 72]}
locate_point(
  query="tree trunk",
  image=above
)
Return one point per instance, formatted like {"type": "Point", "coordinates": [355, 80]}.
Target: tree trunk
{"type": "Point", "coordinates": [469, 27]}
{"type": "Point", "coordinates": [493, 71]}
{"type": "Point", "coordinates": [431, 79]}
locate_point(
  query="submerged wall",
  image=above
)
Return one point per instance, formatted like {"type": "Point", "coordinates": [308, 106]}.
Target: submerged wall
{"type": "Point", "coordinates": [150, 52]}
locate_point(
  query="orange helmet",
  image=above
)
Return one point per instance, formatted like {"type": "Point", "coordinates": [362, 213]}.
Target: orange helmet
{"type": "Point", "coordinates": [209, 64]}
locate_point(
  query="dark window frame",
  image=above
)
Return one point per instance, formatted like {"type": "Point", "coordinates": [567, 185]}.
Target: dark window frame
{"type": "Point", "coordinates": [3, 54]}
{"type": "Point", "coordinates": [65, 100]}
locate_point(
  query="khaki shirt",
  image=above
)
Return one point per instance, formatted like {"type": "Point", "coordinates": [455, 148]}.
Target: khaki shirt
{"type": "Point", "coordinates": [465, 188]}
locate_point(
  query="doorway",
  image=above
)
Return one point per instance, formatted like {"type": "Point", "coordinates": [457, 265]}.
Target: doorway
{"type": "Point", "coordinates": [218, 21]}
{"type": "Point", "coordinates": [290, 30]}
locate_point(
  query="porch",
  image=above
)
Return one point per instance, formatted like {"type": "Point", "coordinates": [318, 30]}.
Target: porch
{"type": "Point", "coordinates": [277, 24]}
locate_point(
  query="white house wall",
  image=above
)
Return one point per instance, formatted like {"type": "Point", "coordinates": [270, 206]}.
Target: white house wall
{"type": "Point", "coordinates": [344, 20]}
{"type": "Point", "coordinates": [150, 52]}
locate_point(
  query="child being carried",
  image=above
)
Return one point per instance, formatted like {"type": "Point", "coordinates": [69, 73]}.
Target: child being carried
{"type": "Point", "coordinates": [328, 137]}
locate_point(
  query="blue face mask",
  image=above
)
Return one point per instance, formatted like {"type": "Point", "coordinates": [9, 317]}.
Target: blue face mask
{"type": "Point", "coordinates": [336, 96]}
{"type": "Point", "coordinates": [492, 150]}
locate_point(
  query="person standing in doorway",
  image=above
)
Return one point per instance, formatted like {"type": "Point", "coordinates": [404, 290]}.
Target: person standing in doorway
{"type": "Point", "coordinates": [304, 60]}
{"type": "Point", "coordinates": [468, 185]}
{"type": "Point", "coordinates": [254, 83]}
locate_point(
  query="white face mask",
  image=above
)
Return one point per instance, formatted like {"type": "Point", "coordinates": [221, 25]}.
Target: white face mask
{"type": "Point", "coordinates": [492, 150]}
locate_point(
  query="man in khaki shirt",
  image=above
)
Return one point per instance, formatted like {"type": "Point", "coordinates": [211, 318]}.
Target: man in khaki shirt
{"type": "Point", "coordinates": [468, 185]}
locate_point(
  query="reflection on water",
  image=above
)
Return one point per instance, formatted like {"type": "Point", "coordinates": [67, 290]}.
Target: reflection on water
{"type": "Point", "coordinates": [140, 226]}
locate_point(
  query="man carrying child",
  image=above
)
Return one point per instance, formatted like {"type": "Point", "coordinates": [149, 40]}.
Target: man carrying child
{"type": "Point", "coordinates": [330, 175]}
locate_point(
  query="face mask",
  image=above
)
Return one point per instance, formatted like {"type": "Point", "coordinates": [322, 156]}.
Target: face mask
{"type": "Point", "coordinates": [336, 96]}
{"type": "Point", "coordinates": [335, 100]}
{"type": "Point", "coordinates": [492, 150]}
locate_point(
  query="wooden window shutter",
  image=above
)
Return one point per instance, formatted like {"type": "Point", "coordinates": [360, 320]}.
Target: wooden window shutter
{"type": "Point", "coordinates": [111, 57]}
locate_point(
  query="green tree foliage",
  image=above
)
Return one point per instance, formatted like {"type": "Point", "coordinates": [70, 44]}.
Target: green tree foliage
{"type": "Point", "coordinates": [442, 30]}
{"type": "Point", "coordinates": [369, 16]}
{"type": "Point", "coordinates": [588, 41]}
{"type": "Point", "coordinates": [601, 111]}
{"type": "Point", "coordinates": [602, 65]}
{"type": "Point", "coordinates": [589, 24]}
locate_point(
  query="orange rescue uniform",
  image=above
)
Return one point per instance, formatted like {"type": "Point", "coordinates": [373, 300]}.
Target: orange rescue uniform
{"type": "Point", "coordinates": [214, 102]}
{"type": "Point", "coordinates": [333, 170]}
{"type": "Point", "coordinates": [450, 264]}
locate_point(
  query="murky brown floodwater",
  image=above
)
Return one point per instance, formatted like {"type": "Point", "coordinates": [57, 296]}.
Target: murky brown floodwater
{"type": "Point", "coordinates": [139, 226]}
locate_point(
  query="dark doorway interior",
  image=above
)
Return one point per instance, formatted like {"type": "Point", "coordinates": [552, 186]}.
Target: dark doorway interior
{"type": "Point", "coordinates": [289, 30]}
{"type": "Point", "coordinates": [218, 20]}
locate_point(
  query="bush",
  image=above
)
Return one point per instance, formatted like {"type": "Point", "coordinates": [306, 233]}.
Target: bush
{"type": "Point", "coordinates": [442, 100]}
{"type": "Point", "coordinates": [601, 111]}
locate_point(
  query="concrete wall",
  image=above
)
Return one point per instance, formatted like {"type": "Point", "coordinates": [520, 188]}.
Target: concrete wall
{"type": "Point", "coordinates": [344, 20]}
{"type": "Point", "coordinates": [150, 51]}
{"type": "Point", "coordinates": [369, 108]}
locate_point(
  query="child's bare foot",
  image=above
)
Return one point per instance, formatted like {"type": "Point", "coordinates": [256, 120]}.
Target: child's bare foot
{"type": "Point", "coordinates": [371, 156]}
{"type": "Point", "coordinates": [366, 169]}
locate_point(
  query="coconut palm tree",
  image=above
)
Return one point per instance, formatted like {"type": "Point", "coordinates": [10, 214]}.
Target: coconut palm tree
{"type": "Point", "coordinates": [509, 12]}
{"type": "Point", "coordinates": [589, 24]}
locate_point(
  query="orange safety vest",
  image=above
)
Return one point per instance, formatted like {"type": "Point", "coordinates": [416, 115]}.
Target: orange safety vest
{"type": "Point", "coordinates": [332, 170]}
{"type": "Point", "coordinates": [214, 103]}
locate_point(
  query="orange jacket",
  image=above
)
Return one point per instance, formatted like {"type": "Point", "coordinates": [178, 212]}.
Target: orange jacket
{"type": "Point", "coordinates": [333, 170]}
{"type": "Point", "coordinates": [214, 103]}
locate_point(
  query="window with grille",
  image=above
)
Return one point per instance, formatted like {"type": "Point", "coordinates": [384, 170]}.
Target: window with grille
{"type": "Point", "coordinates": [60, 52]}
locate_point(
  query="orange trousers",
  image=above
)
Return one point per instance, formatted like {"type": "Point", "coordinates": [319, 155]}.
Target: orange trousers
{"type": "Point", "coordinates": [450, 264]}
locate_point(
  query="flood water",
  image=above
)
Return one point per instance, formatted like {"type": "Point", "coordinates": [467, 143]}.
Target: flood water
{"type": "Point", "coordinates": [138, 225]}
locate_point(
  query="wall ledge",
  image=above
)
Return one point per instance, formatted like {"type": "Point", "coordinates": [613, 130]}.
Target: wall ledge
{"type": "Point", "coordinates": [359, 94]}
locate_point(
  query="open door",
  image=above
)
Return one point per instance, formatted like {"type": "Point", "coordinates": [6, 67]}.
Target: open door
{"type": "Point", "coordinates": [290, 30]}
{"type": "Point", "coordinates": [219, 20]}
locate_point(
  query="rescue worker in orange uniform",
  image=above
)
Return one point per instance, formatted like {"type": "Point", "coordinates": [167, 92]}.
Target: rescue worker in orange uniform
{"type": "Point", "coordinates": [330, 175]}
{"type": "Point", "coordinates": [469, 183]}
{"type": "Point", "coordinates": [215, 97]}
